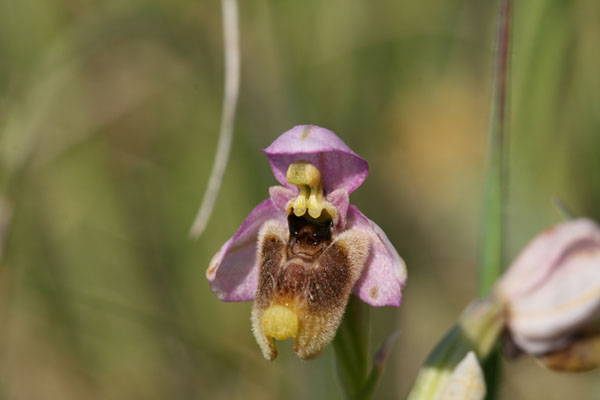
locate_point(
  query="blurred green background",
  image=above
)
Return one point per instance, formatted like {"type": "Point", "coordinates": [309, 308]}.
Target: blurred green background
{"type": "Point", "coordinates": [109, 113]}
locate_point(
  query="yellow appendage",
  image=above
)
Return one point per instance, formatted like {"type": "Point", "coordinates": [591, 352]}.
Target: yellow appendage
{"type": "Point", "coordinates": [279, 322]}
{"type": "Point", "coordinates": [310, 191]}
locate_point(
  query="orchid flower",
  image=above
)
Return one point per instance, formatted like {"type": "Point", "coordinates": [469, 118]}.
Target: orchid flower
{"type": "Point", "coordinates": [301, 252]}
{"type": "Point", "coordinates": [552, 295]}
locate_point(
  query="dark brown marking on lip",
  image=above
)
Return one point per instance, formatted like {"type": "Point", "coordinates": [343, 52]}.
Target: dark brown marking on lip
{"type": "Point", "coordinates": [329, 282]}
{"type": "Point", "coordinates": [308, 237]}
{"type": "Point", "coordinates": [270, 263]}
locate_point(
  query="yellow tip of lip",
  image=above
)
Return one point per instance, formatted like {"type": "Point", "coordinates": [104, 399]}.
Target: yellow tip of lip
{"type": "Point", "coordinates": [280, 322]}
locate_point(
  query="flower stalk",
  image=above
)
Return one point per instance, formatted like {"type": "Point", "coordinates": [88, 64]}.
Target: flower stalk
{"type": "Point", "coordinates": [495, 190]}
{"type": "Point", "coordinates": [492, 245]}
{"type": "Point", "coordinates": [351, 346]}
{"type": "Point", "coordinates": [351, 349]}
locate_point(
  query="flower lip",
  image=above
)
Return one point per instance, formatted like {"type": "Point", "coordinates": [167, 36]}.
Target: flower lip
{"type": "Point", "coordinates": [340, 167]}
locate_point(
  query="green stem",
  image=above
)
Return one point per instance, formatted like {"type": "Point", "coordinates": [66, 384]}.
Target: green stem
{"type": "Point", "coordinates": [378, 364]}
{"type": "Point", "coordinates": [351, 349]}
{"type": "Point", "coordinates": [496, 181]}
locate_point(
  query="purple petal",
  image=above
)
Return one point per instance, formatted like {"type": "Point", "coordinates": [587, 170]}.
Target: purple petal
{"type": "Point", "coordinates": [384, 275]}
{"type": "Point", "coordinates": [233, 272]}
{"type": "Point", "coordinates": [340, 167]}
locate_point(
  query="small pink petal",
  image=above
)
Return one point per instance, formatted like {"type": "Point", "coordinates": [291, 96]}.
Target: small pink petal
{"type": "Point", "coordinates": [233, 271]}
{"type": "Point", "coordinates": [340, 167]}
{"type": "Point", "coordinates": [280, 196]}
{"type": "Point", "coordinates": [384, 275]}
{"type": "Point", "coordinates": [339, 199]}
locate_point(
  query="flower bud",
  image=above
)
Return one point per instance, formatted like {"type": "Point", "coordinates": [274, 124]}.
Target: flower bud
{"type": "Point", "coordinates": [466, 381]}
{"type": "Point", "coordinates": [451, 370]}
{"type": "Point", "coordinates": [552, 290]}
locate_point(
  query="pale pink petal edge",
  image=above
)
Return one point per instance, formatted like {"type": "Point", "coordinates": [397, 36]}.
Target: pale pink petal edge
{"type": "Point", "coordinates": [384, 275]}
{"type": "Point", "coordinates": [233, 271]}
{"type": "Point", "coordinates": [543, 254]}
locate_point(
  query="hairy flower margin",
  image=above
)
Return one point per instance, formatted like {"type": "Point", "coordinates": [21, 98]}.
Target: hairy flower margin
{"type": "Point", "coordinates": [301, 252]}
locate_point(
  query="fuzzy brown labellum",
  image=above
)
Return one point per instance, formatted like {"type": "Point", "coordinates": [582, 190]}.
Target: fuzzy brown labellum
{"type": "Point", "coordinates": [306, 275]}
